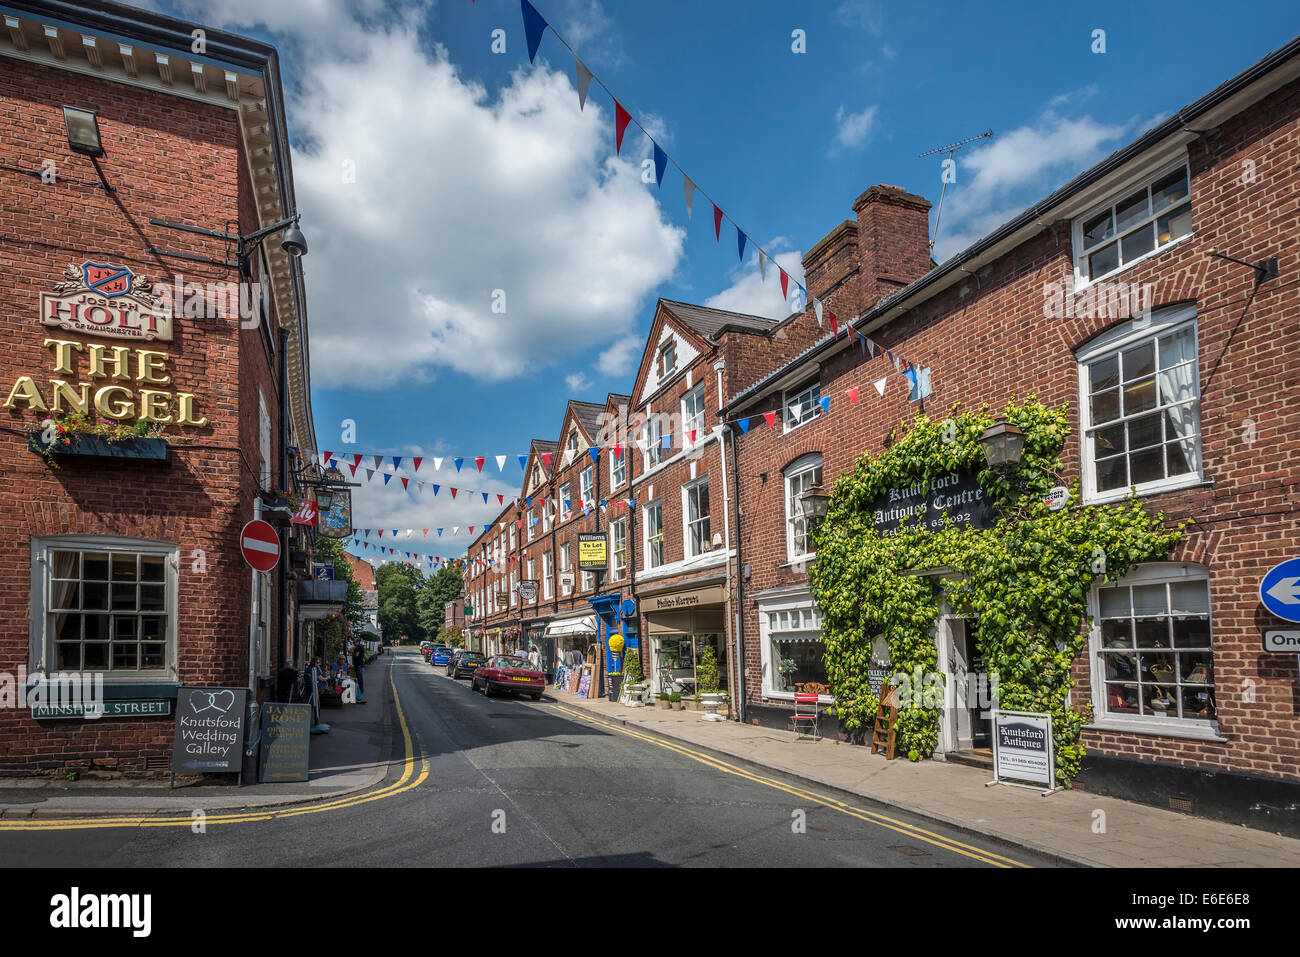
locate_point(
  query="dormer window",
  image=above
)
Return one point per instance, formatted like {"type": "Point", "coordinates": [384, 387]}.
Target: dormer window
{"type": "Point", "coordinates": [667, 358]}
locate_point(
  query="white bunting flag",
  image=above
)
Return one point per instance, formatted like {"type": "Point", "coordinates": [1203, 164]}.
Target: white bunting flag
{"type": "Point", "coordinates": [501, 463]}
{"type": "Point", "coordinates": [437, 464]}
{"type": "Point", "coordinates": [817, 308]}
{"type": "Point", "coordinates": [370, 475]}
{"type": "Point", "coordinates": [689, 188]}
{"type": "Point", "coordinates": [409, 532]}
{"type": "Point", "coordinates": [762, 265]}
{"type": "Point", "coordinates": [455, 529]}
{"type": "Point", "coordinates": [880, 385]}
{"type": "Point", "coordinates": [379, 461]}
{"type": "Point", "coordinates": [584, 81]}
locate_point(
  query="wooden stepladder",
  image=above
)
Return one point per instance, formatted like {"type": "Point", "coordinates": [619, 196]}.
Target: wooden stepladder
{"type": "Point", "coordinates": [886, 725]}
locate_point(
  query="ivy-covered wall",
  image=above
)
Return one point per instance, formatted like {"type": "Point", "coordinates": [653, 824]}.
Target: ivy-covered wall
{"type": "Point", "coordinates": [1026, 578]}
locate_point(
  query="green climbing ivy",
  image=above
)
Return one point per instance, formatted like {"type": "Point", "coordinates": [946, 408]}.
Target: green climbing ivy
{"type": "Point", "coordinates": [1026, 578]}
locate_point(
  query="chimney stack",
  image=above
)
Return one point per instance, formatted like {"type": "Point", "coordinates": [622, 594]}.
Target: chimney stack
{"type": "Point", "coordinates": [893, 241]}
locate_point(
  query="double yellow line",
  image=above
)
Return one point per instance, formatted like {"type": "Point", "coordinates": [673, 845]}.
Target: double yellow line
{"type": "Point", "coordinates": [871, 817]}
{"type": "Point", "coordinates": [408, 781]}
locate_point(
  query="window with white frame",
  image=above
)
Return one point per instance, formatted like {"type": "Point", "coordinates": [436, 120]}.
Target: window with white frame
{"type": "Point", "coordinates": [792, 649]}
{"type": "Point", "coordinates": [105, 605]}
{"type": "Point", "coordinates": [695, 506]}
{"type": "Point", "coordinates": [532, 578]}
{"type": "Point", "coordinates": [512, 536]}
{"type": "Point", "coordinates": [565, 567]}
{"type": "Point", "coordinates": [537, 475]}
{"type": "Point", "coordinates": [548, 576]}
{"type": "Point", "coordinates": [1153, 649]}
{"type": "Point", "coordinates": [654, 534]}
{"type": "Point", "coordinates": [652, 435]}
{"type": "Point", "coordinates": [566, 503]}
{"type": "Point", "coordinates": [571, 444]}
{"type": "Point", "coordinates": [693, 414]}
{"type": "Point", "coordinates": [803, 474]}
{"type": "Point", "coordinates": [802, 404]}
{"type": "Point", "coordinates": [529, 521]}
{"type": "Point", "coordinates": [264, 438]}
{"type": "Point", "coordinates": [617, 549]}
{"type": "Point", "coordinates": [667, 358]}
{"type": "Point", "coordinates": [617, 468]}
{"type": "Point", "coordinates": [587, 484]}
{"type": "Point", "coordinates": [514, 588]}
{"type": "Point", "coordinates": [1141, 407]}
{"type": "Point", "coordinates": [547, 515]}
{"type": "Point", "coordinates": [588, 581]}
{"type": "Point", "coordinates": [1140, 220]}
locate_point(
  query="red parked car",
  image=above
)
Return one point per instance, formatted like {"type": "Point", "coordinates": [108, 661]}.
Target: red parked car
{"type": "Point", "coordinates": [508, 673]}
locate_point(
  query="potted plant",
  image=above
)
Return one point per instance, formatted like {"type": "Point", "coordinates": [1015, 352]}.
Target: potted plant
{"type": "Point", "coordinates": [664, 703]}
{"type": "Point", "coordinates": [78, 434]}
{"type": "Point", "coordinates": [675, 701]}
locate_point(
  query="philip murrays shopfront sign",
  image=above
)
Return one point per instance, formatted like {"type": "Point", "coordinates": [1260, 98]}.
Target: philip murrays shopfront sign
{"type": "Point", "coordinates": [957, 493]}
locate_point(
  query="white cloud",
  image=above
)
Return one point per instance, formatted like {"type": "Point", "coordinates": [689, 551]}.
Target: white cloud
{"type": "Point", "coordinates": [863, 14]}
{"type": "Point", "coordinates": [457, 195]}
{"type": "Point", "coordinates": [621, 356]}
{"type": "Point", "coordinates": [577, 382]}
{"type": "Point", "coordinates": [852, 129]}
{"type": "Point", "coordinates": [750, 295]}
{"type": "Point", "coordinates": [1027, 162]}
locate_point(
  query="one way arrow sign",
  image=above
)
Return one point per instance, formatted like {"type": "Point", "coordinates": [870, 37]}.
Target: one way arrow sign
{"type": "Point", "coordinates": [1279, 590]}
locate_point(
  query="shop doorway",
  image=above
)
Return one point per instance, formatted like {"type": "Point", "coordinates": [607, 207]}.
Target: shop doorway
{"type": "Point", "coordinates": [966, 723]}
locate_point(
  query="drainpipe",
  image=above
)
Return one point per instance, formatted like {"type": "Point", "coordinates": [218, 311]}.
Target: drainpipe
{"type": "Point", "coordinates": [281, 645]}
{"type": "Point", "coordinates": [738, 614]}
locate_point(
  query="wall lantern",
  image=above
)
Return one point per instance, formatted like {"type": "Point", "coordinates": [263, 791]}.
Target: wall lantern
{"type": "Point", "coordinates": [83, 138]}
{"type": "Point", "coordinates": [1002, 443]}
{"type": "Point", "coordinates": [815, 502]}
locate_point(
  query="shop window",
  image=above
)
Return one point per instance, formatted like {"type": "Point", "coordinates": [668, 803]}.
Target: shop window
{"type": "Point", "coordinates": [1141, 406]}
{"type": "Point", "coordinates": [1138, 221]}
{"type": "Point", "coordinates": [654, 534]}
{"type": "Point", "coordinates": [105, 605]}
{"type": "Point", "coordinates": [618, 549]}
{"type": "Point", "coordinates": [792, 650]}
{"type": "Point", "coordinates": [804, 474]}
{"type": "Point", "coordinates": [1153, 649]}
{"type": "Point", "coordinates": [802, 404]}
{"type": "Point", "coordinates": [696, 509]}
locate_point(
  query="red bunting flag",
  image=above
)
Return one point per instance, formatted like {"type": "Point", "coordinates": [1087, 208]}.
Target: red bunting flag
{"type": "Point", "coordinates": [471, 529]}
{"type": "Point", "coordinates": [426, 533]}
{"type": "Point", "coordinates": [835, 326]}
{"type": "Point", "coordinates": [417, 463]}
{"type": "Point", "coordinates": [785, 281]}
{"type": "Point", "coordinates": [356, 460]}
{"type": "Point", "coordinates": [405, 480]}
{"type": "Point", "coordinates": [618, 452]}
{"type": "Point", "coordinates": [501, 499]}
{"type": "Point", "coordinates": [717, 223]}
{"type": "Point", "coordinates": [621, 117]}
{"type": "Point", "coordinates": [479, 462]}
{"type": "Point", "coordinates": [690, 435]}
{"type": "Point", "coordinates": [328, 456]}
{"type": "Point", "coordinates": [381, 533]}
{"type": "Point", "coordinates": [852, 394]}
{"type": "Point", "coordinates": [354, 470]}
{"type": "Point", "coordinates": [771, 418]}
{"type": "Point", "coordinates": [453, 493]}
{"type": "Point", "coordinates": [546, 459]}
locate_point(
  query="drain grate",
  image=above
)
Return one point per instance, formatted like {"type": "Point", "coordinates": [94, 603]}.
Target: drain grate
{"type": "Point", "coordinates": [1180, 804]}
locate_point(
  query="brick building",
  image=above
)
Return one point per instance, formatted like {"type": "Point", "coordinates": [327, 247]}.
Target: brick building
{"type": "Point", "coordinates": [130, 567]}
{"type": "Point", "coordinates": [1192, 405]}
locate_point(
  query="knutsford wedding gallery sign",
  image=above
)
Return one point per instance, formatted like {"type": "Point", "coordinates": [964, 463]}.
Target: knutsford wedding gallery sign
{"type": "Point", "coordinates": [957, 493]}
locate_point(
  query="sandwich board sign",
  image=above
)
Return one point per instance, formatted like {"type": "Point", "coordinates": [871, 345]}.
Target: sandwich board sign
{"type": "Point", "coordinates": [1023, 756]}
{"type": "Point", "coordinates": [209, 730]}
{"type": "Point", "coordinates": [286, 732]}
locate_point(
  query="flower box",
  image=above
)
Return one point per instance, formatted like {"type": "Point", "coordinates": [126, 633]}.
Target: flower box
{"type": "Point", "coordinates": [88, 444]}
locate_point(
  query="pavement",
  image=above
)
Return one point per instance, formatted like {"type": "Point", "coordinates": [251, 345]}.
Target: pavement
{"type": "Point", "coordinates": [352, 757]}
{"type": "Point", "coordinates": [1071, 826]}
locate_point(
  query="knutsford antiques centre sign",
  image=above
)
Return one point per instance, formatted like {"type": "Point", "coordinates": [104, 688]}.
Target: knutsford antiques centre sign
{"type": "Point", "coordinates": [957, 493]}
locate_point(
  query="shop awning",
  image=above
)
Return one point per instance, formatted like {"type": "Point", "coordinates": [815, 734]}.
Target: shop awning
{"type": "Point", "coordinates": [585, 625]}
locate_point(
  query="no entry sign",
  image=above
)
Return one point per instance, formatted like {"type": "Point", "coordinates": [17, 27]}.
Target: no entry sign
{"type": "Point", "coordinates": [260, 545]}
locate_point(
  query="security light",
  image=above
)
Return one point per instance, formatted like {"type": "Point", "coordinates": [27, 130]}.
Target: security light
{"type": "Point", "coordinates": [83, 131]}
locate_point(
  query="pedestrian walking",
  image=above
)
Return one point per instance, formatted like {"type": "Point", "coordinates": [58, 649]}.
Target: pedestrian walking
{"type": "Point", "coordinates": [359, 663]}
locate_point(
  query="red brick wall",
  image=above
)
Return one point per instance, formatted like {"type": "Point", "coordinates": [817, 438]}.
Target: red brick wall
{"type": "Point", "coordinates": [986, 341]}
{"type": "Point", "coordinates": [171, 159]}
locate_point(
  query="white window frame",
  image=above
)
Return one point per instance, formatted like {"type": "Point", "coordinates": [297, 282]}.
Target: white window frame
{"type": "Point", "coordinates": [548, 576]}
{"type": "Point", "coordinates": [264, 439]}
{"type": "Point", "coordinates": [693, 420]}
{"type": "Point", "coordinates": [588, 581]}
{"type": "Point", "coordinates": [795, 470]}
{"type": "Point", "coordinates": [617, 469]}
{"type": "Point", "coordinates": [667, 349]}
{"type": "Point", "coordinates": [587, 485]}
{"type": "Point", "coordinates": [616, 571]}
{"type": "Point", "coordinates": [528, 523]}
{"type": "Point", "coordinates": [547, 515]}
{"type": "Point", "coordinates": [1152, 573]}
{"type": "Point", "coordinates": [646, 539]}
{"type": "Point", "coordinates": [1147, 180]}
{"type": "Point", "coordinates": [687, 524]}
{"type": "Point", "coordinates": [566, 502]}
{"type": "Point", "coordinates": [792, 420]}
{"type": "Point", "coordinates": [765, 608]}
{"type": "Point", "coordinates": [512, 536]}
{"type": "Point", "coordinates": [514, 588]}
{"type": "Point", "coordinates": [41, 650]}
{"type": "Point", "coordinates": [532, 578]}
{"type": "Point", "coordinates": [652, 452]}
{"type": "Point", "coordinates": [1122, 337]}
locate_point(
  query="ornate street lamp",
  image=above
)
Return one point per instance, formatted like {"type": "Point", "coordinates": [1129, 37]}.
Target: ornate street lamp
{"type": "Point", "coordinates": [815, 502]}
{"type": "Point", "coordinates": [1002, 443]}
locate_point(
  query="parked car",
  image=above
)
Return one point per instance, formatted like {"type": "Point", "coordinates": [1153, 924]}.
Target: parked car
{"type": "Point", "coordinates": [424, 649]}
{"type": "Point", "coordinates": [439, 655]}
{"type": "Point", "coordinates": [508, 673]}
{"type": "Point", "coordinates": [464, 663]}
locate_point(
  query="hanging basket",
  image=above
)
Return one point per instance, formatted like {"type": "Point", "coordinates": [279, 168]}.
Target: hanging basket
{"type": "Point", "coordinates": [84, 444]}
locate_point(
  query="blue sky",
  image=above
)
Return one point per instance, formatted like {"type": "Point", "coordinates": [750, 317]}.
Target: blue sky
{"type": "Point", "coordinates": [476, 172]}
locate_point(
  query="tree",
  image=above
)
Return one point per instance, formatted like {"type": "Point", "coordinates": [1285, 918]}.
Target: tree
{"type": "Point", "coordinates": [398, 613]}
{"type": "Point", "coordinates": [330, 551]}
{"type": "Point", "coordinates": [432, 600]}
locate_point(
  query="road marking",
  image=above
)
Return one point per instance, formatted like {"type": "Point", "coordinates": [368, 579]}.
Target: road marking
{"type": "Point", "coordinates": [871, 817]}
{"type": "Point", "coordinates": [407, 782]}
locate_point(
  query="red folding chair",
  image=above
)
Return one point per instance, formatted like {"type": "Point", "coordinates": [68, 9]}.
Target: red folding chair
{"type": "Point", "coordinates": [807, 710]}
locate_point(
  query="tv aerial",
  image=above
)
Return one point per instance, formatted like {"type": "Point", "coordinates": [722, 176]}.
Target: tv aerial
{"type": "Point", "coordinates": [949, 149]}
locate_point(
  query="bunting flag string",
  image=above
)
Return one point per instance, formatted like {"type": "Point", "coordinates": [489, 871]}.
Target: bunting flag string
{"type": "Point", "coordinates": [353, 461]}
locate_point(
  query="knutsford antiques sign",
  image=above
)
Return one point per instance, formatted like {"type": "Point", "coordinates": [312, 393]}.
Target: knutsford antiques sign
{"type": "Point", "coordinates": [104, 299]}
{"type": "Point", "coordinates": [958, 493]}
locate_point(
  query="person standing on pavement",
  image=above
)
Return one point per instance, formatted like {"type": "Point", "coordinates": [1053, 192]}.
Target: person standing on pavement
{"type": "Point", "coordinates": [358, 663]}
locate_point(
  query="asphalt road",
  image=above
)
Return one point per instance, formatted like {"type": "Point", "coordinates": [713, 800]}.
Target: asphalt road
{"type": "Point", "coordinates": [510, 782]}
